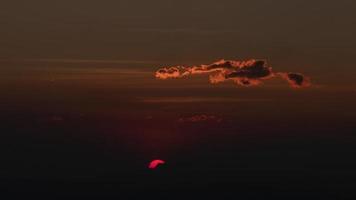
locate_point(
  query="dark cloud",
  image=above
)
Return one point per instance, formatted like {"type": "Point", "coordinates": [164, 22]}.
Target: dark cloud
{"type": "Point", "coordinates": [246, 73]}
{"type": "Point", "coordinates": [296, 80]}
{"type": "Point", "coordinates": [256, 70]}
{"type": "Point", "coordinates": [250, 74]}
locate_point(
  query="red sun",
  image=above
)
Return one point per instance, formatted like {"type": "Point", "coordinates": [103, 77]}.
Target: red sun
{"type": "Point", "coordinates": [154, 163]}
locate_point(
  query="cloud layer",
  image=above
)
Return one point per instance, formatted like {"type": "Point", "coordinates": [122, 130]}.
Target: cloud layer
{"type": "Point", "coordinates": [246, 73]}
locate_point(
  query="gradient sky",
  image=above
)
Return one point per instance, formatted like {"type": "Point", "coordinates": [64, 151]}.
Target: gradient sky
{"type": "Point", "coordinates": [118, 45]}
{"type": "Point", "coordinates": [314, 37]}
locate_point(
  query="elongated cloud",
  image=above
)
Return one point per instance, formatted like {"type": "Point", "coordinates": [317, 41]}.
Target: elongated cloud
{"type": "Point", "coordinates": [246, 73]}
{"type": "Point", "coordinates": [200, 118]}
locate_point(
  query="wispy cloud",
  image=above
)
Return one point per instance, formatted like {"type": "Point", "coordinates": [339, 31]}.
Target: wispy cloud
{"type": "Point", "coordinates": [199, 31]}
{"type": "Point", "coordinates": [200, 118]}
{"type": "Point", "coordinates": [185, 99]}
{"type": "Point", "coordinates": [65, 60]}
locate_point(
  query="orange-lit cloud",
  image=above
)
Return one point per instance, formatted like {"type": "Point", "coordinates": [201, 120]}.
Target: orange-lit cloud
{"type": "Point", "coordinates": [246, 73]}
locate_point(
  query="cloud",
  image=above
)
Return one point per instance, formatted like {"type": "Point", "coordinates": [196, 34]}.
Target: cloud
{"type": "Point", "coordinates": [246, 73]}
{"type": "Point", "coordinates": [201, 99]}
{"type": "Point", "coordinates": [200, 118]}
{"type": "Point", "coordinates": [296, 80]}
{"type": "Point", "coordinates": [171, 72]}
{"type": "Point", "coordinates": [73, 61]}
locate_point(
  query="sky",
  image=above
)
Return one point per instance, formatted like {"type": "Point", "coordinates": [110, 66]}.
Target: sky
{"type": "Point", "coordinates": [80, 99]}
{"type": "Point", "coordinates": [293, 35]}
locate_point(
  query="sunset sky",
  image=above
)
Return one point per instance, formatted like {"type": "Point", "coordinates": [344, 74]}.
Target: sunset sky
{"type": "Point", "coordinates": [81, 101]}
